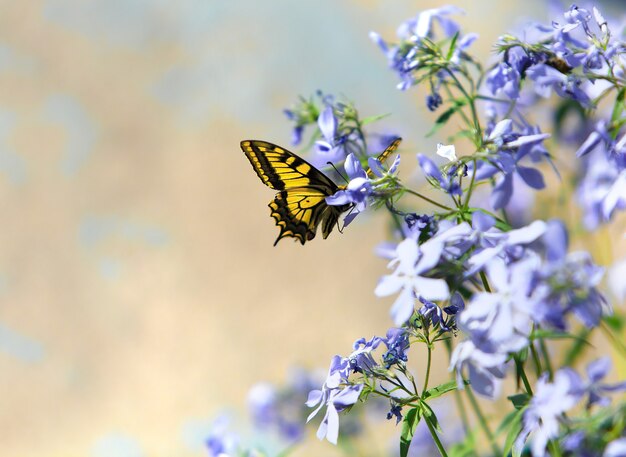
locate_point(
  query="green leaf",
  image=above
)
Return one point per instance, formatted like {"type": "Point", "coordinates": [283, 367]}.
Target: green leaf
{"type": "Point", "coordinates": [519, 400]}
{"type": "Point", "coordinates": [411, 419]}
{"type": "Point", "coordinates": [441, 389]}
{"type": "Point", "coordinates": [615, 322]}
{"type": "Point", "coordinates": [445, 116]}
{"type": "Point", "coordinates": [515, 426]}
{"type": "Point", "coordinates": [618, 109]}
{"type": "Point", "coordinates": [452, 46]}
{"type": "Point", "coordinates": [430, 414]}
{"type": "Point", "coordinates": [370, 119]}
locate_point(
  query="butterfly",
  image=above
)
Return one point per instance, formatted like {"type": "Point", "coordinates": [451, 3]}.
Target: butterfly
{"type": "Point", "coordinates": [300, 205]}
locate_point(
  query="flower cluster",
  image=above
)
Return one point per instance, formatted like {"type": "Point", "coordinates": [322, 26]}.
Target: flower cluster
{"type": "Point", "coordinates": [464, 273]}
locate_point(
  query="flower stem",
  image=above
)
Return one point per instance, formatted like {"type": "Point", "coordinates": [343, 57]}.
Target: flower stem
{"type": "Point", "coordinates": [428, 363]}
{"type": "Point", "coordinates": [423, 197]}
{"type": "Point", "coordinates": [436, 439]}
{"type": "Point", "coordinates": [538, 368]}
{"type": "Point", "coordinates": [522, 374]}
{"type": "Point", "coordinates": [546, 356]}
{"type": "Point", "coordinates": [483, 421]}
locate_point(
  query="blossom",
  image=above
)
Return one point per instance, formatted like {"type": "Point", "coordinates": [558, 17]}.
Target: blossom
{"type": "Point", "coordinates": [616, 448]}
{"type": "Point", "coordinates": [447, 151]}
{"type": "Point", "coordinates": [549, 402]}
{"type": "Point", "coordinates": [330, 148]}
{"type": "Point", "coordinates": [596, 371]}
{"type": "Point", "coordinates": [486, 368]}
{"type": "Point", "coordinates": [336, 401]}
{"type": "Point", "coordinates": [335, 397]}
{"type": "Point", "coordinates": [513, 147]}
{"type": "Point", "coordinates": [356, 192]}
{"type": "Point", "coordinates": [221, 442]}
{"type": "Point", "coordinates": [432, 171]}
{"type": "Point", "coordinates": [501, 320]}
{"type": "Point", "coordinates": [397, 342]}
{"type": "Point", "coordinates": [567, 283]}
{"type": "Point", "coordinates": [410, 262]}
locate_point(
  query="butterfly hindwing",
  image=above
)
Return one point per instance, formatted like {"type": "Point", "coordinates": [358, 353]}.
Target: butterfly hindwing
{"type": "Point", "coordinates": [299, 211]}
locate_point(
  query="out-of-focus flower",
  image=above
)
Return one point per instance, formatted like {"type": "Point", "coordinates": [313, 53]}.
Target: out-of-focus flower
{"type": "Point", "coordinates": [546, 408]}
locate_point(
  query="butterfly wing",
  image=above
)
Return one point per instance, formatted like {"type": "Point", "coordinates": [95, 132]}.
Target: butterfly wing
{"type": "Point", "coordinates": [299, 211]}
{"type": "Point", "coordinates": [281, 169]}
{"type": "Point", "coordinates": [300, 205]}
{"type": "Point", "coordinates": [385, 154]}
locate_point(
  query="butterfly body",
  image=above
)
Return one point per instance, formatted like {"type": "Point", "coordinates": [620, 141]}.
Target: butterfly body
{"type": "Point", "coordinates": [300, 205]}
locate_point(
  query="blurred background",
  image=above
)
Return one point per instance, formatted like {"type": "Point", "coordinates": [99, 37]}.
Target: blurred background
{"type": "Point", "coordinates": [140, 294]}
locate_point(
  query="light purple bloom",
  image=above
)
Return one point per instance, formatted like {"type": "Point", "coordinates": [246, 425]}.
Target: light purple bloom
{"type": "Point", "coordinates": [447, 183]}
{"type": "Point", "coordinates": [616, 448]}
{"type": "Point", "coordinates": [486, 370]}
{"type": "Point", "coordinates": [567, 283]}
{"type": "Point", "coordinates": [397, 342]}
{"type": "Point", "coordinates": [330, 148]}
{"type": "Point", "coordinates": [410, 262]}
{"type": "Point", "coordinates": [546, 409]}
{"type": "Point", "coordinates": [501, 320]}
{"type": "Point", "coordinates": [356, 192]}
{"type": "Point", "coordinates": [596, 371]}
{"type": "Point", "coordinates": [336, 401]}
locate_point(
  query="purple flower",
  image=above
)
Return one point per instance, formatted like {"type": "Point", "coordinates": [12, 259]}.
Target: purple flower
{"type": "Point", "coordinates": [508, 245]}
{"type": "Point", "coordinates": [546, 409]}
{"type": "Point", "coordinates": [335, 397]}
{"type": "Point", "coordinates": [504, 78]}
{"type": "Point", "coordinates": [514, 147]}
{"type": "Point", "coordinates": [567, 283]}
{"type": "Point", "coordinates": [336, 401]}
{"type": "Point", "coordinates": [395, 411]}
{"type": "Point", "coordinates": [501, 320]}
{"type": "Point", "coordinates": [397, 343]}
{"type": "Point", "coordinates": [220, 441]}
{"type": "Point", "coordinates": [361, 359]}
{"type": "Point", "coordinates": [616, 448]}
{"type": "Point", "coordinates": [423, 26]}
{"type": "Point", "coordinates": [485, 369]}
{"type": "Point", "coordinates": [410, 262]}
{"type": "Point", "coordinates": [356, 192]}
{"type": "Point", "coordinates": [596, 371]}
{"type": "Point", "coordinates": [547, 79]}
{"type": "Point", "coordinates": [434, 314]}
{"type": "Point", "coordinates": [330, 148]}
{"type": "Point", "coordinates": [431, 170]}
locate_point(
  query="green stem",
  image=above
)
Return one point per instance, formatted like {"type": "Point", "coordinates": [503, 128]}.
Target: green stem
{"type": "Point", "coordinates": [423, 197]}
{"type": "Point", "coordinates": [428, 363]}
{"type": "Point", "coordinates": [522, 374]}
{"type": "Point", "coordinates": [483, 421]}
{"type": "Point", "coordinates": [555, 450]}
{"type": "Point", "coordinates": [538, 368]}
{"type": "Point", "coordinates": [483, 278]}
{"type": "Point", "coordinates": [546, 356]}
{"type": "Point", "coordinates": [436, 439]}
{"type": "Point", "coordinates": [470, 189]}
{"type": "Point", "coordinates": [617, 344]}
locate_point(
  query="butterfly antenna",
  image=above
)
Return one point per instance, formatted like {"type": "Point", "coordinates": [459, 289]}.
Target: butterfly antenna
{"type": "Point", "coordinates": [338, 172]}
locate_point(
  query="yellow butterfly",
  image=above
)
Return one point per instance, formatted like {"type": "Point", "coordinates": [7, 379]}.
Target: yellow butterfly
{"type": "Point", "coordinates": [300, 205]}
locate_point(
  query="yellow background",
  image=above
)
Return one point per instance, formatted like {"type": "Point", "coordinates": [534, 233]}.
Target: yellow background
{"type": "Point", "coordinates": [140, 294]}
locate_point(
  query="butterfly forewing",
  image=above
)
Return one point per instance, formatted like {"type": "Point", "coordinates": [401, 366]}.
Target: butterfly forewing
{"type": "Point", "coordinates": [281, 169]}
